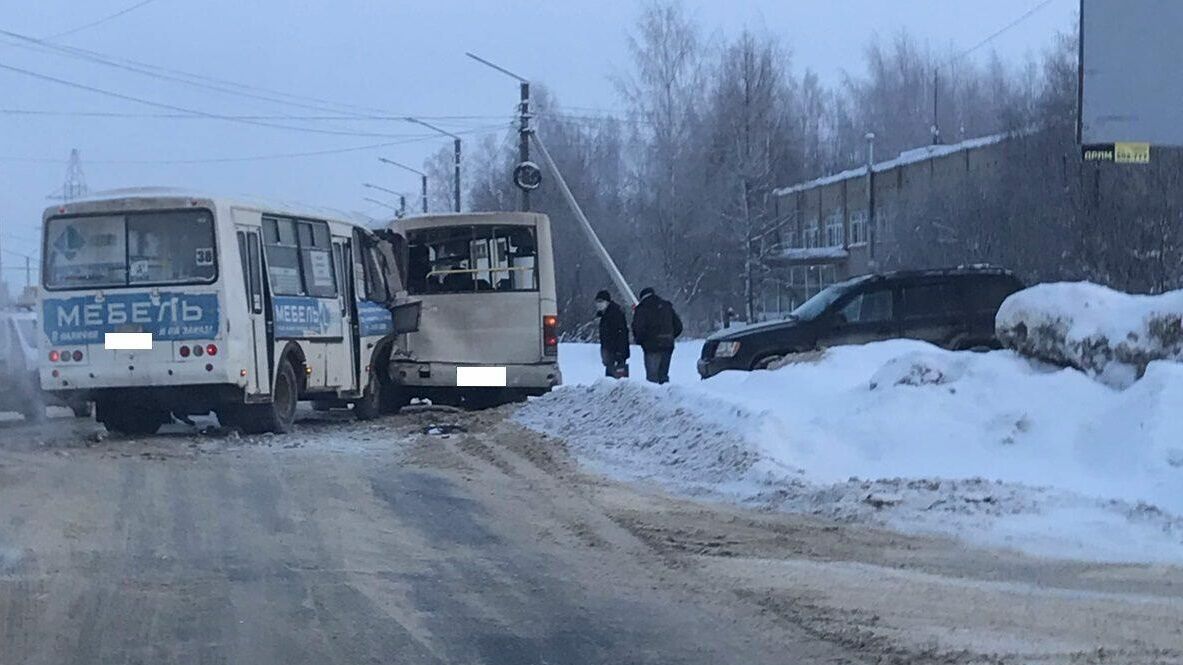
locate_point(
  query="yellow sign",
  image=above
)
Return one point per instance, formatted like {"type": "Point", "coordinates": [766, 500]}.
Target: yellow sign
{"type": "Point", "coordinates": [1131, 153]}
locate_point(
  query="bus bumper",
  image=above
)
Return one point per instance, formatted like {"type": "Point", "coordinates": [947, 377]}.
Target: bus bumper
{"type": "Point", "coordinates": [533, 378]}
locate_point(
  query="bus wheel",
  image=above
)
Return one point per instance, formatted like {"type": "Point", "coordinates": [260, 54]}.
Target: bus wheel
{"type": "Point", "coordinates": [131, 421]}
{"type": "Point", "coordinates": [392, 398]}
{"type": "Point", "coordinates": [370, 404]}
{"type": "Point", "coordinates": [281, 412]}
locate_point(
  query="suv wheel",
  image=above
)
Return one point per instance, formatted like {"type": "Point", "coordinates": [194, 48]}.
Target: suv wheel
{"type": "Point", "coordinates": [766, 362]}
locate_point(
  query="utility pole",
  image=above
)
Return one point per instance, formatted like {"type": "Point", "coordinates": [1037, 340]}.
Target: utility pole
{"type": "Point", "coordinates": [936, 122]}
{"type": "Point", "coordinates": [872, 234]}
{"type": "Point", "coordinates": [455, 158]}
{"type": "Point", "coordinates": [613, 272]}
{"type": "Point", "coordinates": [422, 179]}
{"type": "Point", "coordinates": [524, 137]}
{"type": "Point", "coordinates": [526, 174]}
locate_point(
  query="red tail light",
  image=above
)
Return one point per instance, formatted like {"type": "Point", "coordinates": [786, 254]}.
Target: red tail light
{"type": "Point", "coordinates": [77, 356]}
{"type": "Point", "coordinates": [550, 335]}
{"type": "Point", "coordinates": [211, 349]}
{"type": "Point", "coordinates": [54, 356]}
{"type": "Point", "coordinates": [184, 351]}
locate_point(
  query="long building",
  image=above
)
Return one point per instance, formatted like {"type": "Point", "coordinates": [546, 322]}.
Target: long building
{"type": "Point", "coordinates": [827, 235]}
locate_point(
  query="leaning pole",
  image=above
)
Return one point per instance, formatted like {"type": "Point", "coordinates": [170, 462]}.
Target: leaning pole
{"type": "Point", "coordinates": [617, 278]}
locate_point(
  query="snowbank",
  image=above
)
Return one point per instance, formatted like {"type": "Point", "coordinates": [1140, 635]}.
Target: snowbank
{"type": "Point", "coordinates": [1111, 335]}
{"type": "Point", "coordinates": [990, 447]}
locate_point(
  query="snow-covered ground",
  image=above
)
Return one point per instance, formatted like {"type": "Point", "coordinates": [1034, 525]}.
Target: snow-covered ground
{"type": "Point", "coordinates": [992, 447]}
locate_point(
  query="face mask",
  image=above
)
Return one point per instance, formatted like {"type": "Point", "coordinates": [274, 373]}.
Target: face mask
{"type": "Point", "coordinates": [601, 305]}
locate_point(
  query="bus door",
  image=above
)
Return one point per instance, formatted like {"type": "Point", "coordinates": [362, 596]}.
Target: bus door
{"type": "Point", "coordinates": [345, 362]}
{"type": "Point", "coordinates": [250, 249]}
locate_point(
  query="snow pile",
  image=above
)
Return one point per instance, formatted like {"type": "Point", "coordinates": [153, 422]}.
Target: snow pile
{"type": "Point", "coordinates": [1108, 334]}
{"type": "Point", "coordinates": [673, 434]}
{"type": "Point", "coordinates": [991, 447]}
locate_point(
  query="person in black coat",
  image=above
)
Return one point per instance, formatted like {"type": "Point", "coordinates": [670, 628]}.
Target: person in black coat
{"type": "Point", "coordinates": [614, 351]}
{"type": "Point", "coordinates": [655, 327]}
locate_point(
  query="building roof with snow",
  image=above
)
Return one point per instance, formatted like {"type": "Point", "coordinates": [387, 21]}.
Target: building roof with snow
{"type": "Point", "coordinates": [904, 158]}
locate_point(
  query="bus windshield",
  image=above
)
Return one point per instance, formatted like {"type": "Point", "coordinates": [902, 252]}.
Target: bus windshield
{"type": "Point", "coordinates": [476, 258]}
{"type": "Point", "coordinates": [133, 249]}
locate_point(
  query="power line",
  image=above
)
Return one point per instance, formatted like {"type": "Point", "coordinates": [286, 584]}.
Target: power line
{"type": "Point", "coordinates": [256, 158]}
{"type": "Point", "coordinates": [173, 107]}
{"type": "Point", "coordinates": [1026, 15]}
{"type": "Point", "coordinates": [188, 116]}
{"type": "Point", "coordinates": [187, 78]}
{"type": "Point", "coordinates": [109, 17]}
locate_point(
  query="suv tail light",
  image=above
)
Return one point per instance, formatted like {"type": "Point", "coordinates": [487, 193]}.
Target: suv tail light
{"type": "Point", "coordinates": [550, 335]}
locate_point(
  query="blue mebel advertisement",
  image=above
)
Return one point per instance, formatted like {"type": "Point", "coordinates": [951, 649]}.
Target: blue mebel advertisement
{"type": "Point", "coordinates": [301, 317]}
{"type": "Point", "coordinates": [168, 316]}
{"type": "Point", "coordinates": [373, 319]}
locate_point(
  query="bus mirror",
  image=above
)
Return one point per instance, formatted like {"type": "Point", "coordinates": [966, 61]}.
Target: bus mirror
{"type": "Point", "coordinates": [406, 316]}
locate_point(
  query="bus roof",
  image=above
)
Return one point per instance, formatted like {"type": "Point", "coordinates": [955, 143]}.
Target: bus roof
{"type": "Point", "coordinates": [463, 218]}
{"type": "Point", "coordinates": [125, 199]}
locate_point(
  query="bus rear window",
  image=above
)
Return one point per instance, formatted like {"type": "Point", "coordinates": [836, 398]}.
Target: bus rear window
{"type": "Point", "coordinates": [134, 249]}
{"type": "Point", "coordinates": [469, 259]}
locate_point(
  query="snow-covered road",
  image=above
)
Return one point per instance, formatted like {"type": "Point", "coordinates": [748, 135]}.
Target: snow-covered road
{"type": "Point", "coordinates": [992, 448]}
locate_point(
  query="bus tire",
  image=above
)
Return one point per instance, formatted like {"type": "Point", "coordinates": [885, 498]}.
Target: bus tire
{"type": "Point", "coordinates": [369, 406]}
{"type": "Point", "coordinates": [392, 398]}
{"type": "Point", "coordinates": [280, 414]}
{"type": "Point", "coordinates": [132, 421]}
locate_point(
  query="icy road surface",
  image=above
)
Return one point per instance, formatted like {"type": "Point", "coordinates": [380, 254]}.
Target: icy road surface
{"type": "Point", "coordinates": [443, 537]}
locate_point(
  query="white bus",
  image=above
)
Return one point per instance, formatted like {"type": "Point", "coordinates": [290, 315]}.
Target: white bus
{"type": "Point", "coordinates": [488, 332]}
{"type": "Point", "coordinates": [160, 302]}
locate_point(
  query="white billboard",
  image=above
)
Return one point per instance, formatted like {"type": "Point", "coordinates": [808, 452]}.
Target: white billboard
{"type": "Point", "coordinates": [1131, 60]}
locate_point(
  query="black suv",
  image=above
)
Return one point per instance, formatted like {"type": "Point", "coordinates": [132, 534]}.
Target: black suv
{"type": "Point", "coordinates": [953, 308]}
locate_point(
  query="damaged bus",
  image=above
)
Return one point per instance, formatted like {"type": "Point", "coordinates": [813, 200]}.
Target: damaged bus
{"type": "Point", "coordinates": [156, 303]}
{"type": "Point", "coordinates": [489, 330]}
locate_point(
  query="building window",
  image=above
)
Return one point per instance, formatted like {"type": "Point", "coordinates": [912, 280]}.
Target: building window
{"type": "Point", "coordinates": [858, 228]}
{"type": "Point", "coordinates": [811, 234]}
{"type": "Point", "coordinates": [834, 230]}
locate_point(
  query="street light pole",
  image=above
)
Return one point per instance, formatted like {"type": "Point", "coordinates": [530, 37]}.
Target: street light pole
{"type": "Point", "coordinates": [455, 160]}
{"type": "Point", "coordinates": [422, 178]}
{"type": "Point", "coordinates": [381, 203]}
{"type": "Point", "coordinates": [524, 128]}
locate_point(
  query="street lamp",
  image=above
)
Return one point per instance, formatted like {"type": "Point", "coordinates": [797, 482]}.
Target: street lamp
{"type": "Point", "coordinates": [402, 198]}
{"type": "Point", "coordinates": [381, 203]}
{"type": "Point", "coordinates": [455, 160]}
{"type": "Point", "coordinates": [422, 178]}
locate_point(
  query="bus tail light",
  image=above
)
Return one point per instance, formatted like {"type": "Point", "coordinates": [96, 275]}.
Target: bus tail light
{"type": "Point", "coordinates": [54, 356]}
{"type": "Point", "coordinates": [183, 351]}
{"type": "Point", "coordinates": [550, 335]}
{"type": "Point", "coordinates": [77, 356]}
{"type": "Point", "coordinates": [197, 350]}
{"type": "Point", "coordinates": [211, 349]}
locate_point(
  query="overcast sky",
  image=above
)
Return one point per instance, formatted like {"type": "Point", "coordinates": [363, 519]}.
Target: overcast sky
{"type": "Point", "coordinates": [405, 58]}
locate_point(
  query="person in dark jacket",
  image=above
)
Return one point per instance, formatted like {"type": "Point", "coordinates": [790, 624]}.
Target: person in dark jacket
{"type": "Point", "coordinates": [614, 350]}
{"type": "Point", "coordinates": [655, 327]}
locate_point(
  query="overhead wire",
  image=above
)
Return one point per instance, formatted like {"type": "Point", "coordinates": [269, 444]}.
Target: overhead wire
{"type": "Point", "coordinates": [100, 21]}
{"type": "Point", "coordinates": [182, 109]}
{"type": "Point", "coordinates": [266, 157]}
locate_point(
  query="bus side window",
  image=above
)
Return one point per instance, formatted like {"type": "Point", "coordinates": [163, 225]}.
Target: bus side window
{"type": "Point", "coordinates": [255, 262]}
